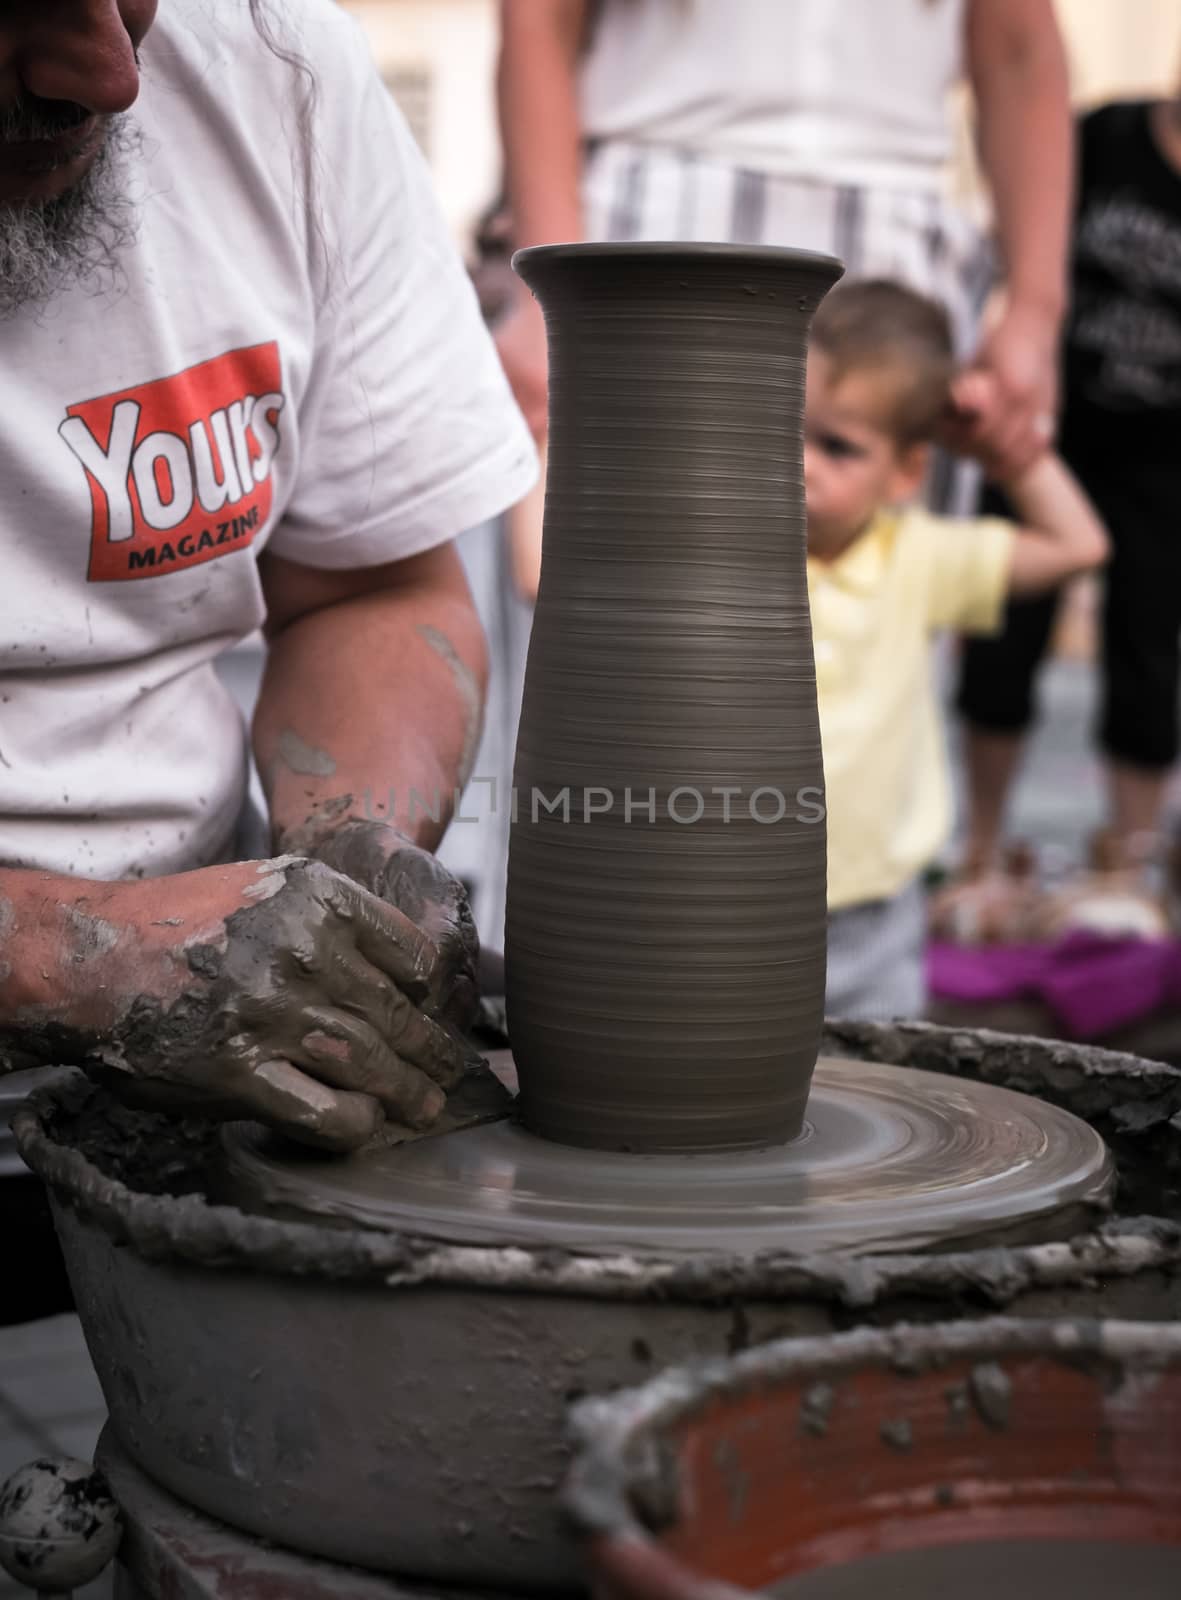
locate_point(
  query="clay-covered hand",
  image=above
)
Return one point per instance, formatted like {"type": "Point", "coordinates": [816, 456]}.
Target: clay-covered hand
{"type": "Point", "coordinates": [388, 864]}
{"type": "Point", "coordinates": [278, 990]}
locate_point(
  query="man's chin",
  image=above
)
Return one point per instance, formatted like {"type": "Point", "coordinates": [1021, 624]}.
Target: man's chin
{"type": "Point", "coordinates": [65, 222]}
{"type": "Point", "coordinates": [43, 170]}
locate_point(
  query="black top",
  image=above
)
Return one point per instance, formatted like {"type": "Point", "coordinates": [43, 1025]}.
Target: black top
{"type": "Point", "coordinates": [1122, 359]}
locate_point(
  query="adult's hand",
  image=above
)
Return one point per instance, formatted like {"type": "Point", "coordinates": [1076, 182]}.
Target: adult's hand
{"type": "Point", "coordinates": [520, 341]}
{"type": "Point", "coordinates": [388, 864]}
{"type": "Point", "coordinates": [1020, 358]}
{"type": "Point", "coordinates": [277, 990]}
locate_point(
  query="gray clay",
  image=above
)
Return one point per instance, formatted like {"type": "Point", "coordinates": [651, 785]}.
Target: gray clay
{"type": "Point", "coordinates": [665, 977]}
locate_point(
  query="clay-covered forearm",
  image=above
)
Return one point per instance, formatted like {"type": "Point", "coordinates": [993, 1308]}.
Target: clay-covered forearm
{"type": "Point", "coordinates": [274, 989]}
{"type": "Point", "coordinates": [1026, 140]}
{"type": "Point", "coordinates": [46, 1010]}
{"type": "Point", "coordinates": [541, 135]}
{"type": "Point", "coordinates": [372, 707]}
{"type": "Point", "coordinates": [71, 952]}
{"type": "Point", "coordinates": [1061, 533]}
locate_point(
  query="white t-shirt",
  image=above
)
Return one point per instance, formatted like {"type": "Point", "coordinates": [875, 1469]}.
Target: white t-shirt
{"type": "Point", "coordinates": [839, 91]}
{"type": "Point", "coordinates": [290, 362]}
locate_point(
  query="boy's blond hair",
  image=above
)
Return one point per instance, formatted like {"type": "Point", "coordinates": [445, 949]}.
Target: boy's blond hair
{"type": "Point", "coordinates": [878, 325]}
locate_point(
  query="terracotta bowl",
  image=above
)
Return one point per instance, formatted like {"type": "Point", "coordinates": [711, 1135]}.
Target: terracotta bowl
{"type": "Point", "coordinates": [742, 1473]}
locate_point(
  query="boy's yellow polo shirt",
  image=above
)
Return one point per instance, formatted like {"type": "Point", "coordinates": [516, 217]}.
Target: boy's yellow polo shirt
{"type": "Point", "coordinates": [874, 611]}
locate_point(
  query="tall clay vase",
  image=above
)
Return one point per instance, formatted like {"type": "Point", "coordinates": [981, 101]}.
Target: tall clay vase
{"type": "Point", "coordinates": [665, 938]}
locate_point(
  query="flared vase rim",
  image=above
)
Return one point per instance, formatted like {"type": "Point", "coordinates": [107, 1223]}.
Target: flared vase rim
{"type": "Point", "coordinates": [670, 250]}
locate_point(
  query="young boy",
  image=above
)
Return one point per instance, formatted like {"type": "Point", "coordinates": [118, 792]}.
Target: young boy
{"type": "Point", "coordinates": [883, 577]}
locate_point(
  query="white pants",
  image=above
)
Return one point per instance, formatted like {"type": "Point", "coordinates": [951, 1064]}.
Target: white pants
{"type": "Point", "coordinates": [916, 236]}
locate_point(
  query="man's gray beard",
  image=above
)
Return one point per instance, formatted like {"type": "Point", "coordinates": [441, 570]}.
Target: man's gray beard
{"type": "Point", "coordinates": [75, 240]}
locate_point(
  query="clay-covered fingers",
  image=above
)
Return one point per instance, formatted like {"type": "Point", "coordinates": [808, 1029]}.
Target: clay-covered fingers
{"type": "Point", "coordinates": [270, 1091]}
{"type": "Point", "coordinates": [278, 1093]}
{"type": "Point", "coordinates": [418, 884]}
{"type": "Point", "coordinates": [456, 993]}
{"type": "Point", "coordinates": [426, 900]}
{"type": "Point", "coordinates": [354, 985]}
{"type": "Point", "coordinates": [440, 911]}
{"type": "Point", "coordinates": [347, 1053]}
{"type": "Point", "coordinates": [387, 938]}
{"type": "Point", "coordinates": [241, 1080]}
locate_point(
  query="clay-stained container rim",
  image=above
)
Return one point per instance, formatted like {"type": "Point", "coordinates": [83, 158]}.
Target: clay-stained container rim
{"type": "Point", "coordinates": [609, 1426]}
{"type": "Point", "coordinates": [627, 1465]}
{"type": "Point", "coordinates": [669, 250]}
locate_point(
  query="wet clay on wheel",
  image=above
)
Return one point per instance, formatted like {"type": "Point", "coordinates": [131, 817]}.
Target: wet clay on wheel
{"type": "Point", "coordinates": [665, 936]}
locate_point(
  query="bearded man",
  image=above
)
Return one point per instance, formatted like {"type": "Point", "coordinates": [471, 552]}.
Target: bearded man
{"type": "Point", "coordinates": [244, 385]}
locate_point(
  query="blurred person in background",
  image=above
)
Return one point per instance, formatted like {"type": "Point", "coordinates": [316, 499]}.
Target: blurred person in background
{"type": "Point", "coordinates": [1121, 424]}
{"type": "Point", "coordinates": [819, 124]}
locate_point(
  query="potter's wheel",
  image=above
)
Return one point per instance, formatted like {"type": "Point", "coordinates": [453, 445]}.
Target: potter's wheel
{"type": "Point", "coordinates": [890, 1158]}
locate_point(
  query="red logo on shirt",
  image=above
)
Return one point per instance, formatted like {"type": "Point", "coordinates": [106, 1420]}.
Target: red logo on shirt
{"type": "Point", "coordinates": [179, 469]}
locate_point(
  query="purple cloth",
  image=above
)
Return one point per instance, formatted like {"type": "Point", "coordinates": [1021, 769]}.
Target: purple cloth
{"type": "Point", "coordinates": [1092, 983]}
